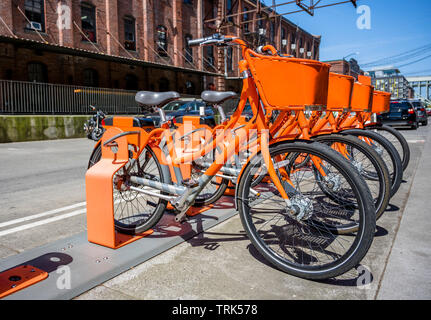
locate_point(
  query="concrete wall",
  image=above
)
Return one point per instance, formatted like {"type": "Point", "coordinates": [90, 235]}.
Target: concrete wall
{"type": "Point", "coordinates": [31, 128]}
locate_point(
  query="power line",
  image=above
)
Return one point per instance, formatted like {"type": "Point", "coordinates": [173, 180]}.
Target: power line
{"type": "Point", "coordinates": [421, 59]}
{"type": "Point", "coordinates": [417, 72]}
{"type": "Point", "coordinates": [410, 54]}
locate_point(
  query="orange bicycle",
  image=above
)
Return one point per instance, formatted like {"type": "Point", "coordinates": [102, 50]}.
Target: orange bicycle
{"type": "Point", "coordinates": [292, 217]}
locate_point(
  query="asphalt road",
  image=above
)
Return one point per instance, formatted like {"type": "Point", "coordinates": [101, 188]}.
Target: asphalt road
{"type": "Point", "coordinates": [42, 192]}
{"type": "Point", "coordinates": [42, 199]}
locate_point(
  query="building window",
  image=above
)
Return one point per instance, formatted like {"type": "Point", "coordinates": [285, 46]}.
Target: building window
{"type": "Point", "coordinates": [246, 17]}
{"type": "Point", "coordinates": [293, 44]}
{"type": "Point", "coordinates": [91, 78]}
{"type": "Point", "coordinates": [229, 58]}
{"type": "Point", "coordinates": [129, 34]}
{"type": "Point", "coordinates": [88, 22]}
{"type": "Point", "coordinates": [131, 82]}
{"type": "Point", "coordinates": [163, 85]}
{"type": "Point", "coordinates": [189, 50]}
{"type": "Point", "coordinates": [162, 41]}
{"type": "Point", "coordinates": [210, 55]}
{"type": "Point", "coordinates": [283, 40]}
{"type": "Point", "coordinates": [34, 11]}
{"type": "Point", "coordinates": [272, 32]}
{"type": "Point", "coordinates": [301, 46]}
{"type": "Point", "coordinates": [229, 10]}
{"type": "Point", "coordinates": [37, 72]}
{"type": "Point", "coordinates": [190, 87]}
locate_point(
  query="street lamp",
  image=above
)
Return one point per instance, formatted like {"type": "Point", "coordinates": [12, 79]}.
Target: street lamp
{"type": "Point", "coordinates": [344, 59]}
{"type": "Point", "coordinates": [352, 54]}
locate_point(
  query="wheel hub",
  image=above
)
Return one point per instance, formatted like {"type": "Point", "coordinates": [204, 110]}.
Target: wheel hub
{"type": "Point", "coordinates": [301, 207]}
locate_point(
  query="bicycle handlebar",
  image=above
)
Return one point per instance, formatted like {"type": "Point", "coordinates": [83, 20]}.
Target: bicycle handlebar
{"type": "Point", "coordinates": [216, 38]}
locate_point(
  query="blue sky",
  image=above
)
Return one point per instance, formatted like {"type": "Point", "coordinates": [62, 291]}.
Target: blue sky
{"type": "Point", "coordinates": [397, 26]}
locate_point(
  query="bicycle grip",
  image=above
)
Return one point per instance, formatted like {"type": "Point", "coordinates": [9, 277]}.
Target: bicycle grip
{"type": "Point", "coordinates": [196, 42]}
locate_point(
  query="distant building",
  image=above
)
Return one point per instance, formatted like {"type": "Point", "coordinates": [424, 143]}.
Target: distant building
{"type": "Point", "coordinates": [343, 66]}
{"type": "Point", "coordinates": [390, 79]}
{"type": "Point", "coordinates": [421, 85]}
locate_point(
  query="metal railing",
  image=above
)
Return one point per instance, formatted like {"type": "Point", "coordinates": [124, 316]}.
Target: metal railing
{"type": "Point", "coordinates": [19, 97]}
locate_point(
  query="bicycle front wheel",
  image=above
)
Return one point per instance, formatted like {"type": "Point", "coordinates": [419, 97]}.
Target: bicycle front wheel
{"type": "Point", "coordinates": [309, 246]}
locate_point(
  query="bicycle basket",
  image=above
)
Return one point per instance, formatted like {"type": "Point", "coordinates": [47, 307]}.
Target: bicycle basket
{"type": "Point", "coordinates": [339, 91]}
{"type": "Point", "coordinates": [290, 83]}
{"type": "Point", "coordinates": [381, 102]}
{"type": "Point", "coordinates": [362, 97]}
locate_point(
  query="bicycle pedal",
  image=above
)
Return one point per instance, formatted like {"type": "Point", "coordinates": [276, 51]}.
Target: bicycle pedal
{"type": "Point", "coordinates": [190, 183]}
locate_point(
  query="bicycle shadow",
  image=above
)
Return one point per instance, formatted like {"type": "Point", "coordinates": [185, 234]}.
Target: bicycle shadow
{"type": "Point", "coordinates": [192, 229]}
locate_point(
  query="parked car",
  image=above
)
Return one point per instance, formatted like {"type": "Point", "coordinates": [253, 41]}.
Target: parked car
{"type": "Point", "coordinates": [247, 112]}
{"type": "Point", "coordinates": [420, 109]}
{"type": "Point", "coordinates": [428, 110]}
{"type": "Point", "coordinates": [401, 113]}
{"type": "Point", "coordinates": [179, 108]}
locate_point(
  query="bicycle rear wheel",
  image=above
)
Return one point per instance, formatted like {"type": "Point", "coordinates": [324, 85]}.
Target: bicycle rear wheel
{"type": "Point", "coordinates": [397, 139]}
{"type": "Point", "coordinates": [135, 212]}
{"type": "Point", "coordinates": [310, 247]}
{"type": "Point", "coordinates": [369, 165]}
{"type": "Point", "coordinates": [386, 150]}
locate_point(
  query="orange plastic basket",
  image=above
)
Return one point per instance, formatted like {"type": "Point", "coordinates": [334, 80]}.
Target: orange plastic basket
{"type": "Point", "coordinates": [362, 97]}
{"type": "Point", "coordinates": [381, 102]}
{"type": "Point", "coordinates": [339, 91]}
{"type": "Point", "coordinates": [290, 83]}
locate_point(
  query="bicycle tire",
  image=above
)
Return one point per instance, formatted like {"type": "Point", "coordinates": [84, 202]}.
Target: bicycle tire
{"type": "Point", "coordinates": [361, 240]}
{"type": "Point", "coordinates": [381, 199]}
{"type": "Point", "coordinates": [137, 224]}
{"type": "Point", "coordinates": [394, 164]}
{"type": "Point", "coordinates": [403, 150]}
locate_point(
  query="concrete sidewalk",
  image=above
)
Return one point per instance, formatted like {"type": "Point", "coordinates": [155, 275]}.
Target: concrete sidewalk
{"type": "Point", "coordinates": [408, 271]}
{"type": "Point", "coordinates": [222, 264]}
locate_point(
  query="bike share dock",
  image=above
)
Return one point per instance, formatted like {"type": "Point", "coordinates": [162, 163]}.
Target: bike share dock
{"type": "Point", "coordinates": [91, 264]}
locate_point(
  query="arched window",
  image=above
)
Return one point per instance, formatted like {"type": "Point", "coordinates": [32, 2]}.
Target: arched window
{"type": "Point", "coordinates": [163, 84]}
{"type": "Point", "coordinates": [188, 49]}
{"type": "Point", "coordinates": [131, 82]}
{"type": "Point", "coordinates": [162, 41]}
{"type": "Point", "coordinates": [91, 78]}
{"type": "Point", "coordinates": [88, 22]}
{"type": "Point", "coordinates": [37, 72]}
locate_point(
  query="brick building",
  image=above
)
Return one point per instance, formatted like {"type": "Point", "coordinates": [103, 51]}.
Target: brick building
{"type": "Point", "coordinates": [343, 66]}
{"type": "Point", "coordinates": [135, 44]}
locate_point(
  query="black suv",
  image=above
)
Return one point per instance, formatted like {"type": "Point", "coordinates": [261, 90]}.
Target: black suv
{"type": "Point", "coordinates": [401, 113]}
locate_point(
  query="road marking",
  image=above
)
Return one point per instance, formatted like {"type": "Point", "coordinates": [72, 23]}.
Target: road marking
{"type": "Point", "coordinates": [49, 220]}
{"type": "Point", "coordinates": [43, 214]}
{"type": "Point", "coordinates": [415, 141]}
{"type": "Point", "coordinates": [42, 222]}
